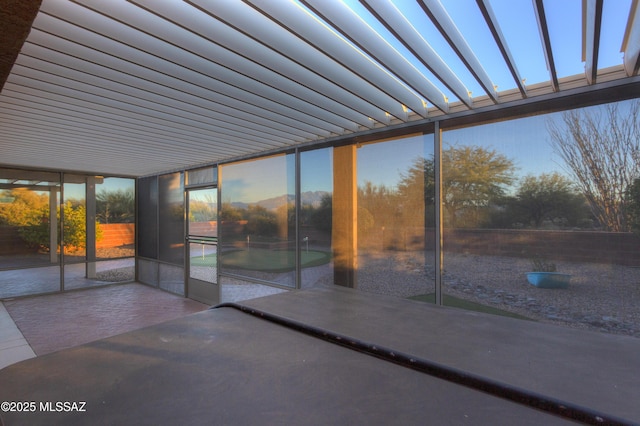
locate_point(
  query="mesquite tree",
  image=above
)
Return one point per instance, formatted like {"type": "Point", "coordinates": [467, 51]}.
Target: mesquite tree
{"type": "Point", "coordinates": [601, 149]}
{"type": "Point", "coordinates": [472, 178]}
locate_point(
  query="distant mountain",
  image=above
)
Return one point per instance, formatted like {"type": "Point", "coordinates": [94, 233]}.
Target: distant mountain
{"type": "Point", "coordinates": [309, 197]}
{"type": "Point", "coordinates": [275, 202]}
{"type": "Point", "coordinates": [313, 197]}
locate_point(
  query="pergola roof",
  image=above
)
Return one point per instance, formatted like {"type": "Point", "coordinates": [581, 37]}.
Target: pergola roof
{"type": "Point", "coordinates": [143, 86]}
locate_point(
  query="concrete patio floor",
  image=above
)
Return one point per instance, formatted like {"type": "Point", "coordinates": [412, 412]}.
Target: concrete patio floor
{"type": "Point", "coordinates": [332, 355]}
{"type": "Point", "coordinates": [13, 346]}
{"type": "Point", "coordinates": [34, 326]}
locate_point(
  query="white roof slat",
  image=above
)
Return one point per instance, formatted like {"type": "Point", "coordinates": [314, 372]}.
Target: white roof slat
{"type": "Point", "coordinates": [303, 24]}
{"type": "Point", "coordinates": [494, 27]}
{"type": "Point", "coordinates": [541, 18]}
{"type": "Point", "coordinates": [179, 103]}
{"type": "Point", "coordinates": [162, 84]}
{"type": "Point", "coordinates": [448, 29]}
{"type": "Point", "coordinates": [74, 144]}
{"type": "Point", "coordinates": [154, 53]}
{"type": "Point", "coordinates": [43, 152]}
{"type": "Point", "coordinates": [592, 23]}
{"type": "Point", "coordinates": [226, 46]}
{"type": "Point", "coordinates": [359, 32]}
{"type": "Point", "coordinates": [97, 95]}
{"type": "Point", "coordinates": [140, 87]}
{"type": "Point", "coordinates": [251, 97]}
{"type": "Point", "coordinates": [631, 43]}
{"type": "Point", "coordinates": [56, 111]}
{"type": "Point", "coordinates": [76, 137]}
{"type": "Point", "coordinates": [398, 24]}
{"type": "Point", "coordinates": [44, 131]}
{"type": "Point", "coordinates": [157, 128]}
{"type": "Point", "coordinates": [286, 53]}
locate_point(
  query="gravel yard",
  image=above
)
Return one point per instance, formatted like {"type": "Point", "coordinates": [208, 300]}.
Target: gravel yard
{"type": "Point", "coordinates": [600, 297]}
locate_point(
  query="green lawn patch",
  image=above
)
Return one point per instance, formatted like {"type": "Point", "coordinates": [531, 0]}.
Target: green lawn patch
{"type": "Point", "coordinates": [257, 259]}
{"type": "Point", "coordinates": [456, 302]}
{"type": "Point", "coordinates": [206, 260]}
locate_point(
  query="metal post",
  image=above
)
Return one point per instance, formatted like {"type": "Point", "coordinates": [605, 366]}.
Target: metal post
{"type": "Point", "coordinates": [437, 146]}
{"type": "Point", "coordinates": [90, 236]}
{"type": "Point", "coordinates": [298, 201]}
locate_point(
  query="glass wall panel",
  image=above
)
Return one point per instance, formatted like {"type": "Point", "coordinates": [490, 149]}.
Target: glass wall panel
{"type": "Point", "coordinates": [77, 272]}
{"type": "Point", "coordinates": [29, 238]}
{"type": "Point", "coordinates": [552, 194]}
{"type": "Point", "coordinates": [115, 239]}
{"type": "Point", "coordinates": [28, 218]}
{"type": "Point", "coordinates": [171, 218]}
{"type": "Point", "coordinates": [148, 217]}
{"type": "Point", "coordinates": [74, 211]}
{"type": "Point", "coordinates": [257, 219]}
{"type": "Point", "coordinates": [93, 208]}
{"type": "Point", "coordinates": [316, 190]}
{"type": "Point", "coordinates": [395, 231]}
{"type": "Point", "coordinates": [202, 248]}
{"type": "Point", "coordinates": [37, 219]}
{"type": "Point", "coordinates": [115, 214]}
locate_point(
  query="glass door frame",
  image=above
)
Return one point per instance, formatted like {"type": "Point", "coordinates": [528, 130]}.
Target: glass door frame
{"type": "Point", "coordinates": [195, 288]}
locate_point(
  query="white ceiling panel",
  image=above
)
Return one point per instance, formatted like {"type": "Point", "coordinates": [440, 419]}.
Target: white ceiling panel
{"type": "Point", "coordinates": [140, 87]}
{"type": "Point", "coordinates": [179, 91]}
{"type": "Point", "coordinates": [240, 53]}
{"type": "Point", "coordinates": [236, 90]}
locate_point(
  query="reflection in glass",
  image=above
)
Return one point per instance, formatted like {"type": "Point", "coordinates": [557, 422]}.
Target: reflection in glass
{"type": "Point", "coordinates": [316, 185]}
{"type": "Point", "coordinates": [115, 214]}
{"type": "Point", "coordinates": [29, 218]}
{"type": "Point", "coordinates": [95, 215]}
{"type": "Point", "coordinates": [257, 219]}
{"type": "Point", "coordinates": [29, 222]}
{"type": "Point", "coordinates": [203, 233]}
{"type": "Point", "coordinates": [396, 218]}
{"type": "Point", "coordinates": [171, 218]}
{"type": "Point", "coordinates": [31, 215]}
{"type": "Point", "coordinates": [518, 197]}
{"type": "Point", "coordinates": [74, 212]}
{"type": "Point", "coordinates": [148, 217]}
{"type": "Point", "coordinates": [115, 221]}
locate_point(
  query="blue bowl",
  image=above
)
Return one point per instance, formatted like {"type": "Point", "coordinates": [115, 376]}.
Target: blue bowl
{"type": "Point", "coordinates": [549, 279]}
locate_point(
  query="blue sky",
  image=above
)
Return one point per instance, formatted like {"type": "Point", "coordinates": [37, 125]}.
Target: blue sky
{"type": "Point", "coordinates": [524, 141]}
{"type": "Point", "coordinates": [77, 191]}
{"type": "Point", "coordinates": [384, 163]}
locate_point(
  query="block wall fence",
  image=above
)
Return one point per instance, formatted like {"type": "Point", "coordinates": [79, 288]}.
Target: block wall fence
{"type": "Point", "coordinates": [575, 246]}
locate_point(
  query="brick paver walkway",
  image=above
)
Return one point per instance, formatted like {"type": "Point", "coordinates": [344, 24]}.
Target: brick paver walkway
{"type": "Point", "coordinates": [53, 322]}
